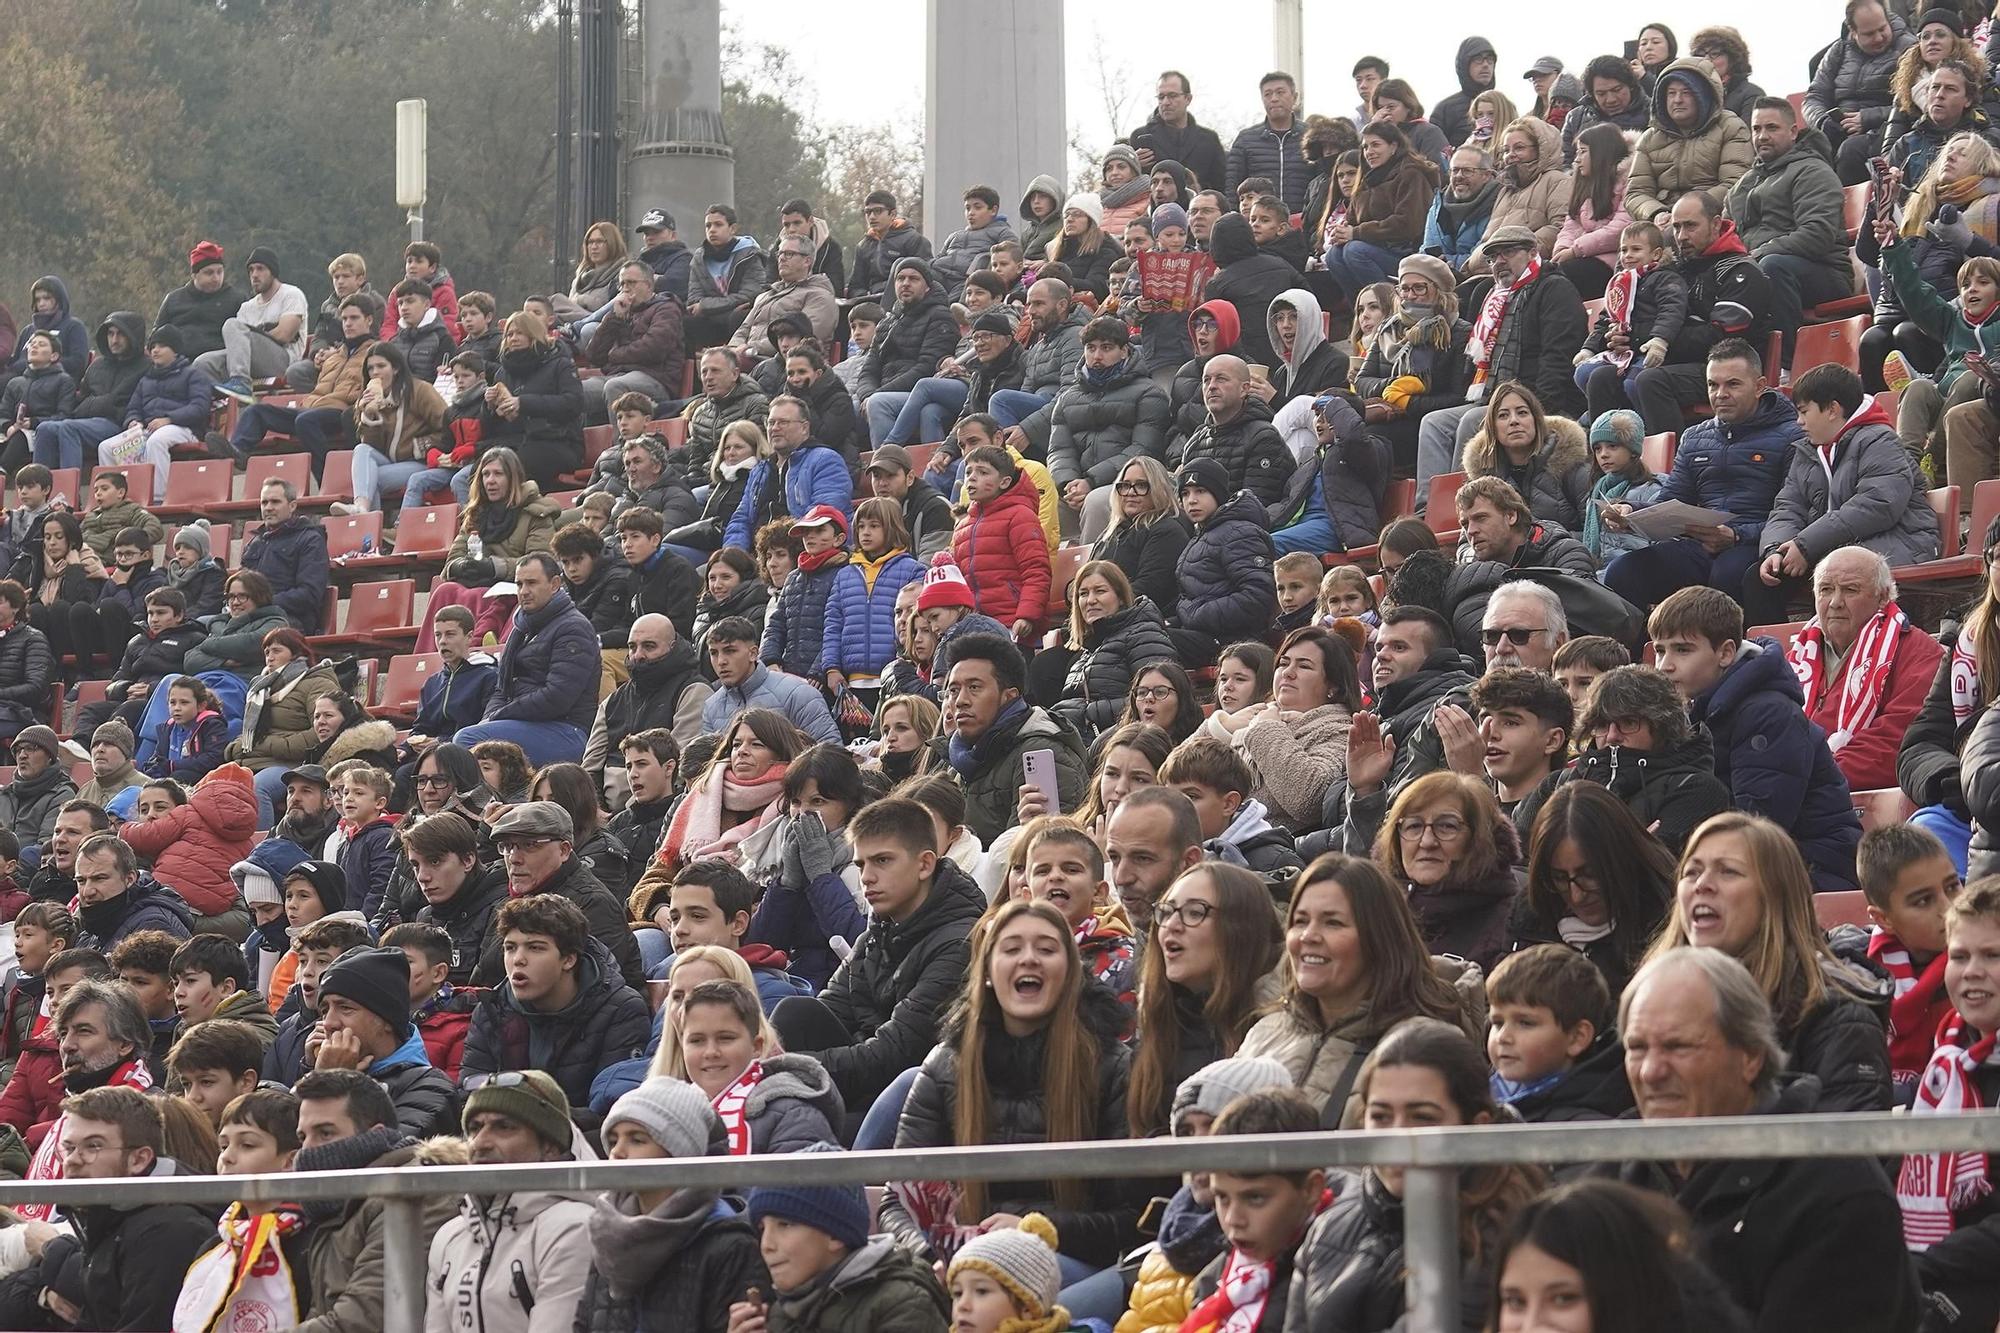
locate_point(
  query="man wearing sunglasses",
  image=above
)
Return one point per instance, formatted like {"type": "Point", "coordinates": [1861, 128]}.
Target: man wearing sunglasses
{"type": "Point", "coordinates": [1523, 626]}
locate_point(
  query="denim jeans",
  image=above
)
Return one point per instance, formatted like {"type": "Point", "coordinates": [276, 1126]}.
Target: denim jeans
{"type": "Point", "coordinates": [1441, 440]}
{"type": "Point", "coordinates": [1357, 264]}
{"type": "Point", "coordinates": [878, 1127]}
{"type": "Point", "coordinates": [1314, 535]}
{"type": "Point", "coordinates": [883, 407]}
{"type": "Point", "coordinates": [1647, 576]}
{"type": "Point", "coordinates": [432, 478]}
{"type": "Point", "coordinates": [542, 742]}
{"type": "Point", "coordinates": [375, 476]}
{"type": "Point", "coordinates": [270, 784]}
{"type": "Point", "coordinates": [1010, 407]}
{"type": "Point", "coordinates": [60, 444]}
{"type": "Point", "coordinates": [928, 411]}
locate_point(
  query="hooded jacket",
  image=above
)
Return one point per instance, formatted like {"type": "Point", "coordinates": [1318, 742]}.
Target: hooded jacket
{"type": "Point", "coordinates": [1036, 235]}
{"type": "Point", "coordinates": [1676, 789]}
{"type": "Point", "coordinates": [1185, 395]}
{"type": "Point", "coordinates": [1352, 475]}
{"type": "Point", "coordinates": [1669, 161]}
{"type": "Point", "coordinates": [1113, 652]}
{"type": "Point", "coordinates": [1453, 114]}
{"type": "Point", "coordinates": [859, 632]}
{"type": "Point", "coordinates": [1873, 498]}
{"type": "Point", "coordinates": [1005, 557]}
{"type": "Point", "coordinates": [72, 338]}
{"type": "Point", "coordinates": [548, 668]}
{"type": "Point", "coordinates": [912, 340]}
{"type": "Point", "coordinates": [1405, 707]}
{"type": "Point", "coordinates": [1227, 591]}
{"type": "Point", "coordinates": [1104, 420]}
{"type": "Point", "coordinates": [1017, 1113]}
{"type": "Point", "coordinates": [1557, 478]}
{"type": "Point", "coordinates": [876, 256]}
{"type": "Point", "coordinates": [881, 1287]}
{"type": "Point", "coordinates": [108, 381]}
{"type": "Point", "coordinates": [607, 1021]}
{"type": "Point", "coordinates": [1540, 202]}
{"type": "Point", "coordinates": [1793, 206]}
{"type": "Point", "coordinates": [236, 644]}
{"type": "Point", "coordinates": [548, 431]}
{"type": "Point", "coordinates": [963, 248]}
{"type": "Point", "coordinates": [1776, 761]}
{"type": "Point", "coordinates": [192, 846]}
{"type": "Point", "coordinates": [501, 1249]}
{"type": "Point", "coordinates": [793, 1105]}
{"type": "Point", "coordinates": [1314, 365]}
{"type": "Point", "coordinates": [1249, 280]}
{"type": "Point", "coordinates": [795, 629]}
{"type": "Point", "coordinates": [1392, 202]}
{"type": "Point", "coordinates": [1850, 79]}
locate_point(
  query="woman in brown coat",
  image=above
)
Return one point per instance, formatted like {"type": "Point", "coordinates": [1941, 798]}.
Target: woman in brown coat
{"type": "Point", "coordinates": [1386, 221]}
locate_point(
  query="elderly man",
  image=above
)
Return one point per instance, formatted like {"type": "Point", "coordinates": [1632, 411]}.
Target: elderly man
{"type": "Point", "coordinates": [1864, 666]}
{"type": "Point", "coordinates": [1798, 1243]}
{"type": "Point", "coordinates": [666, 690]}
{"type": "Point", "coordinates": [1523, 625]}
{"type": "Point", "coordinates": [1734, 462]}
{"type": "Point", "coordinates": [990, 728]}
{"type": "Point", "coordinates": [741, 681]}
{"type": "Point", "coordinates": [1851, 99]}
{"type": "Point", "coordinates": [637, 343]}
{"type": "Point", "coordinates": [40, 788]}
{"type": "Point", "coordinates": [1459, 214]}
{"type": "Point", "coordinates": [1533, 337]}
{"type": "Point", "coordinates": [1500, 527]}
{"type": "Point", "coordinates": [545, 699]}
{"type": "Point", "coordinates": [536, 841]}
{"type": "Point", "coordinates": [1418, 674]}
{"type": "Point", "coordinates": [1788, 209]}
{"type": "Point", "coordinates": [799, 292]}
{"type": "Point", "coordinates": [1152, 839]}
{"type": "Point", "coordinates": [1238, 433]}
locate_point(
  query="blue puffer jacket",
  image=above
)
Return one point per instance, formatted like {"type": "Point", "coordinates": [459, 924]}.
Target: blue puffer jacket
{"type": "Point", "coordinates": [817, 476]}
{"type": "Point", "coordinates": [180, 393]}
{"type": "Point", "coordinates": [796, 626]}
{"type": "Point", "coordinates": [1227, 590]}
{"type": "Point", "coordinates": [549, 668]}
{"type": "Point", "coordinates": [1737, 469]}
{"type": "Point", "coordinates": [860, 636]}
{"type": "Point", "coordinates": [1776, 762]}
{"type": "Point", "coordinates": [292, 555]}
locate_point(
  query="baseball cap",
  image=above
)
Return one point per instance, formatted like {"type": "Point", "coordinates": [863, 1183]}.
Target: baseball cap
{"type": "Point", "coordinates": [1546, 65]}
{"type": "Point", "coordinates": [657, 219]}
{"type": "Point", "coordinates": [891, 458]}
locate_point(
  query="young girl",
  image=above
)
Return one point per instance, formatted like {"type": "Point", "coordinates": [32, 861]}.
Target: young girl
{"type": "Point", "coordinates": [1616, 441]}
{"type": "Point", "coordinates": [860, 615]}
{"type": "Point", "coordinates": [193, 737]}
{"type": "Point", "coordinates": [905, 724]}
{"type": "Point", "coordinates": [999, 543]}
{"type": "Point", "coordinates": [1346, 594]}
{"type": "Point", "coordinates": [769, 1101]}
{"type": "Point", "coordinates": [1007, 1281]}
{"type": "Point", "coordinates": [1162, 695]}
{"type": "Point", "coordinates": [1243, 675]}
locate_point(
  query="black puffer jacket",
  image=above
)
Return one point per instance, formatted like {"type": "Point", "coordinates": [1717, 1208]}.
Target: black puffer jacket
{"type": "Point", "coordinates": [468, 919]}
{"type": "Point", "coordinates": [1090, 272]}
{"type": "Point", "coordinates": [1225, 573]}
{"type": "Point", "coordinates": [1256, 456]}
{"type": "Point", "coordinates": [898, 981]}
{"type": "Point", "coordinates": [1348, 1273]}
{"type": "Point", "coordinates": [1675, 790]}
{"type": "Point", "coordinates": [1927, 767]}
{"type": "Point", "coordinates": [26, 667]}
{"type": "Point", "coordinates": [875, 260]}
{"type": "Point", "coordinates": [607, 1022]}
{"type": "Point", "coordinates": [1096, 427]}
{"type": "Point", "coordinates": [744, 402]}
{"type": "Point", "coordinates": [911, 342]}
{"type": "Point", "coordinates": [425, 1098]}
{"type": "Point", "coordinates": [108, 380]}
{"type": "Point", "coordinates": [1114, 649]}
{"type": "Point", "coordinates": [1250, 280]}
{"type": "Point", "coordinates": [1150, 555]}
{"type": "Point", "coordinates": [751, 600]}
{"type": "Point", "coordinates": [1355, 475]}
{"type": "Point", "coordinates": [1557, 478]}
{"type": "Point", "coordinates": [548, 431]}
{"type": "Point", "coordinates": [698, 1261]}
{"type": "Point", "coordinates": [1979, 788]}
{"type": "Point", "coordinates": [1004, 371]}
{"type": "Point", "coordinates": [1017, 1112]}
{"type": "Point", "coordinates": [606, 915]}
{"type": "Point", "coordinates": [1844, 1043]}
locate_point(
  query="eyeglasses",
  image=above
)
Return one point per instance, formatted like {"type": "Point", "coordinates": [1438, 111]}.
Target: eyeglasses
{"type": "Point", "coordinates": [434, 780]}
{"type": "Point", "coordinates": [509, 846]}
{"type": "Point", "coordinates": [1139, 487]}
{"type": "Point", "coordinates": [1153, 693]}
{"type": "Point", "coordinates": [1446, 828]}
{"type": "Point", "coordinates": [91, 1151]}
{"type": "Point", "coordinates": [1564, 881]}
{"type": "Point", "coordinates": [1518, 635]}
{"type": "Point", "coordinates": [1190, 913]}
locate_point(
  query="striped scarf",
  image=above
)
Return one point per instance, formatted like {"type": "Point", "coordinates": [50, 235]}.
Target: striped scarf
{"type": "Point", "coordinates": [1964, 678]}
{"type": "Point", "coordinates": [1492, 313]}
{"type": "Point", "coordinates": [1917, 1007]}
{"type": "Point", "coordinates": [732, 1107]}
{"type": "Point", "coordinates": [1866, 679]}
{"type": "Point", "coordinates": [1933, 1186]}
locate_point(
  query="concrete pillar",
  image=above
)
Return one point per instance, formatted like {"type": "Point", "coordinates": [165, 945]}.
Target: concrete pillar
{"type": "Point", "coordinates": [1288, 41]}
{"type": "Point", "coordinates": [680, 158]}
{"type": "Point", "coordinates": [993, 104]}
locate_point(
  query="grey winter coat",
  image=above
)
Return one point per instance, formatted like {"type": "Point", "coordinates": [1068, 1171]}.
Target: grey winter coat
{"type": "Point", "coordinates": [963, 248]}
{"type": "Point", "coordinates": [1849, 79]}
{"type": "Point", "coordinates": [793, 1105]}
{"type": "Point", "coordinates": [1874, 498]}
{"type": "Point", "coordinates": [1096, 428]}
{"type": "Point", "coordinates": [1049, 361]}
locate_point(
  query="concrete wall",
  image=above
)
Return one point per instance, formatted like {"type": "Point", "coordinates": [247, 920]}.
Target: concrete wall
{"type": "Point", "coordinates": [994, 111]}
{"type": "Point", "coordinates": [680, 158]}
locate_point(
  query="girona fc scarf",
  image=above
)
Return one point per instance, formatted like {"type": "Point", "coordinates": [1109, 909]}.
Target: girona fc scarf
{"type": "Point", "coordinates": [1866, 680]}
{"type": "Point", "coordinates": [1933, 1187]}
{"type": "Point", "coordinates": [732, 1106]}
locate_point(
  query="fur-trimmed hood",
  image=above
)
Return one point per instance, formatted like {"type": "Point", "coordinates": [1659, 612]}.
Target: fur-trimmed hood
{"type": "Point", "coordinates": [1563, 447]}
{"type": "Point", "coordinates": [359, 739]}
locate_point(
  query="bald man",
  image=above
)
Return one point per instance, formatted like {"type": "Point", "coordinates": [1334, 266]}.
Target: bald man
{"type": "Point", "coordinates": [666, 690]}
{"type": "Point", "coordinates": [1238, 433]}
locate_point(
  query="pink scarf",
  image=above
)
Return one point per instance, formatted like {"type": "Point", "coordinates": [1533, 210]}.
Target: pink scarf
{"type": "Point", "coordinates": [1486, 329]}
{"type": "Point", "coordinates": [696, 830]}
{"type": "Point", "coordinates": [1933, 1186]}
{"type": "Point", "coordinates": [1964, 678]}
{"type": "Point", "coordinates": [1866, 679]}
{"type": "Point", "coordinates": [48, 1161]}
{"type": "Point", "coordinates": [732, 1106]}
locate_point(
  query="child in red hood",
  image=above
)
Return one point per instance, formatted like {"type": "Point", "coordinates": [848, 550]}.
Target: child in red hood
{"type": "Point", "coordinates": [441, 1011]}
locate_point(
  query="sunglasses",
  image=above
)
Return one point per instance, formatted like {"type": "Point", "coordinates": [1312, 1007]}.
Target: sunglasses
{"type": "Point", "coordinates": [1517, 635]}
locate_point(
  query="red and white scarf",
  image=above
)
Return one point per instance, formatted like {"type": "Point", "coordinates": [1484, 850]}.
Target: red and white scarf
{"type": "Point", "coordinates": [1865, 681]}
{"type": "Point", "coordinates": [732, 1107]}
{"type": "Point", "coordinates": [1239, 1299]}
{"type": "Point", "coordinates": [48, 1159]}
{"type": "Point", "coordinates": [1486, 329]}
{"type": "Point", "coordinates": [245, 1284]}
{"type": "Point", "coordinates": [1621, 295]}
{"type": "Point", "coordinates": [1964, 678]}
{"type": "Point", "coordinates": [1914, 1010]}
{"type": "Point", "coordinates": [1933, 1186]}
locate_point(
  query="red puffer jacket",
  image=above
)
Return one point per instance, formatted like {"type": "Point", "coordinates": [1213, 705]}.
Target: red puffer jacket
{"type": "Point", "coordinates": [33, 1097]}
{"type": "Point", "coordinates": [193, 846]}
{"type": "Point", "coordinates": [443, 1021]}
{"type": "Point", "coordinates": [1005, 557]}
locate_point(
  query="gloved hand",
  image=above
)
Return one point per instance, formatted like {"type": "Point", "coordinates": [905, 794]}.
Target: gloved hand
{"type": "Point", "coordinates": [792, 865]}
{"type": "Point", "coordinates": [470, 572]}
{"type": "Point", "coordinates": [813, 846]}
{"type": "Point", "coordinates": [1950, 228]}
{"type": "Point", "coordinates": [1400, 390]}
{"type": "Point", "coordinates": [1655, 350]}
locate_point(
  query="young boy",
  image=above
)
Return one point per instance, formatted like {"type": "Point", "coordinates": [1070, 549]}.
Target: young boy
{"type": "Point", "coordinates": [1744, 690]}
{"type": "Point", "coordinates": [652, 759]}
{"type": "Point", "coordinates": [41, 931]}
{"type": "Point", "coordinates": [441, 1011]}
{"type": "Point", "coordinates": [710, 902]}
{"type": "Point", "coordinates": [258, 1135]}
{"type": "Point", "coordinates": [212, 980]}
{"type": "Point", "coordinates": [1647, 301]}
{"type": "Point", "coordinates": [1298, 576]}
{"type": "Point", "coordinates": [144, 961]}
{"type": "Point", "coordinates": [828, 1275]}
{"type": "Point", "coordinates": [424, 262]}
{"type": "Point", "coordinates": [1550, 1040]}
{"type": "Point", "coordinates": [155, 654]}
{"type": "Point", "coordinates": [1580, 661]}
{"type": "Point", "coordinates": [793, 629]}
{"type": "Point", "coordinates": [478, 331]}
{"type": "Point", "coordinates": [1066, 869]}
{"type": "Point", "coordinates": [369, 855]}
{"type": "Point", "coordinates": [42, 392]}
{"type": "Point", "coordinates": [1910, 881]}
{"type": "Point", "coordinates": [336, 801]}
{"type": "Point", "coordinates": [114, 509]}
{"type": "Point", "coordinates": [1215, 776]}
{"type": "Point", "coordinates": [259, 878]}
{"type": "Point", "coordinates": [448, 462]}
{"type": "Point", "coordinates": [427, 344]}
{"type": "Point", "coordinates": [214, 1063]}
{"type": "Point", "coordinates": [313, 890]}
{"type": "Point", "coordinates": [455, 695]}
{"type": "Point", "coordinates": [21, 526]}
{"type": "Point", "coordinates": [318, 947]}
{"type": "Point", "coordinates": [1263, 1217]}
{"type": "Point", "coordinates": [1525, 722]}
{"type": "Point", "coordinates": [862, 321]}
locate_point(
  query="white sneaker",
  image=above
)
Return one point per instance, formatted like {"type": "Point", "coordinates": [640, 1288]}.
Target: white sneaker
{"type": "Point", "coordinates": [341, 509]}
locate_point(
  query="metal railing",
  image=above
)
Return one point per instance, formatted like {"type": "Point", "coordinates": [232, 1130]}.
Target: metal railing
{"type": "Point", "coordinates": [1431, 1159]}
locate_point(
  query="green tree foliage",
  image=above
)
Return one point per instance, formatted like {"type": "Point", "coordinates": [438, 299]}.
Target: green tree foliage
{"type": "Point", "coordinates": [777, 157]}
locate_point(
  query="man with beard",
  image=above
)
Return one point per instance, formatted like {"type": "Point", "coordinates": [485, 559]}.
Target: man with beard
{"type": "Point", "coordinates": [102, 1036]}
{"type": "Point", "coordinates": [1789, 212]}
{"type": "Point", "coordinates": [666, 690]}
{"type": "Point", "coordinates": [41, 787]}
{"type": "Point", "coordinates": [267, 334]}
{"type": "Point", "coordinates": [1459, 215]}
{"type": "Point", "coordinates": [892, 475]}
{"type": "Point", "coordinates": [203, 304]}
{"type": "Point", "coordinates": [309, 821]}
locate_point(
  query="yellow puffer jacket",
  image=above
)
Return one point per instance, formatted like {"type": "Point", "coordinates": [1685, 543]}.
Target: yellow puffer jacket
{"type": "Point", "coordinates": [1668, 163]}
{"type": "Point", "coordinates": [1161, 1298]}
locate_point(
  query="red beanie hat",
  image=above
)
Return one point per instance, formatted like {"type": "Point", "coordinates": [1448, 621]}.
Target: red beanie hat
{"type": "Point", "coordinates": [944, 585]}
{"type": "Point", "coordinates": [204, 254]}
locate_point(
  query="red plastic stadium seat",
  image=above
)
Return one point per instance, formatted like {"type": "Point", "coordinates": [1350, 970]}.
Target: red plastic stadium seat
{"type": "Point", "coordinates": [376, 613]}
{"type": "Point", "coordinates": [921, 455]}
{"type": "Point", "coordinates": [403, 684]}
{"type": "Point", "coordinates": [1960, 560]}
{"type": "Point", "coordinates": [674, 430]}
{"type": "Point", "coordinates": [1854, 209]}
{"type": "Point", "coordinates": [195, 486]}
{"type": "Point", "coordinates": [294, 468]}
{"type": "Point", "coordinates": [68, 483]}
{"type": "Point", "coordinates": [1658, 452]}
{"type": "Point", "coordinates": [336, 484]}
{"type": "Point", "coordinates": [427, 531]}
{"type": "Point", "coordinates": [1068, 559]}
{"type": "Point", "coordinates": [1839, 343]}
{"type": "Point", "coordinates": [1848, 907]}
{"type": "Point", "coordinates": [345, 534]}
{"type": "Point", "coordinates": [1782, 633]}
{"type": "Point", "coordinates": [1441, 510]}
{"type": "Point", "coordinates": [138, 481]}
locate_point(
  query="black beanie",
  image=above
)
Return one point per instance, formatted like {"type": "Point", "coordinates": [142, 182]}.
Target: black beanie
{"type": "Point", "coordinates": [994, 321]}
{"type": "Point", "coordinates": [376, 979]}
{"type": "Point", "coordinates": [167, 335]}
{"type": "Point", "coordinates": [266, 256]}
{"type": "Point", "coordinates": [1207, 473]}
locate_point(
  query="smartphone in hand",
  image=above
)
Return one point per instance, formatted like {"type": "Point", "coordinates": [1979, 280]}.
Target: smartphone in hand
{"type": "Point", "coordinates": [1038, 770]}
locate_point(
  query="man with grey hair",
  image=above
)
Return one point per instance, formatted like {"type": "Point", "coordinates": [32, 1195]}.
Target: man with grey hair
{"type": "Point", "coordinates": [1864, 666]}
{"type": "Point", "coordinates": [103, 1039]}
{"type": "Point", "coordinates": [1799, 1243]}
{"type": "Point", "coordinates": [1463, 208]}
{"type": "Point", "coordinates": [1523, 626]}
{"type": "Point", "coordinates": [807, 297]}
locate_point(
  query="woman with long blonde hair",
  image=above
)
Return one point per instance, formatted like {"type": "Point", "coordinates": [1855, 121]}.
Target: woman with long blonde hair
{"type": "Point", "coordinates": [1147, 533]}
{"type": "Point", "coordinates": [535, 405]}
{"type": "Point", "coordinates": [1744, 889]}
{"type": "Point", "coordinates": [691, 967]}
{"type": "Point", "coordinates": [1965, 173]}
{"type": "Point", "coordinates": [507, 519]}
{"type": "Point", "coordinates": [1029, 1054]}
{"type": "Point", "coordinates": [1967, 682]}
